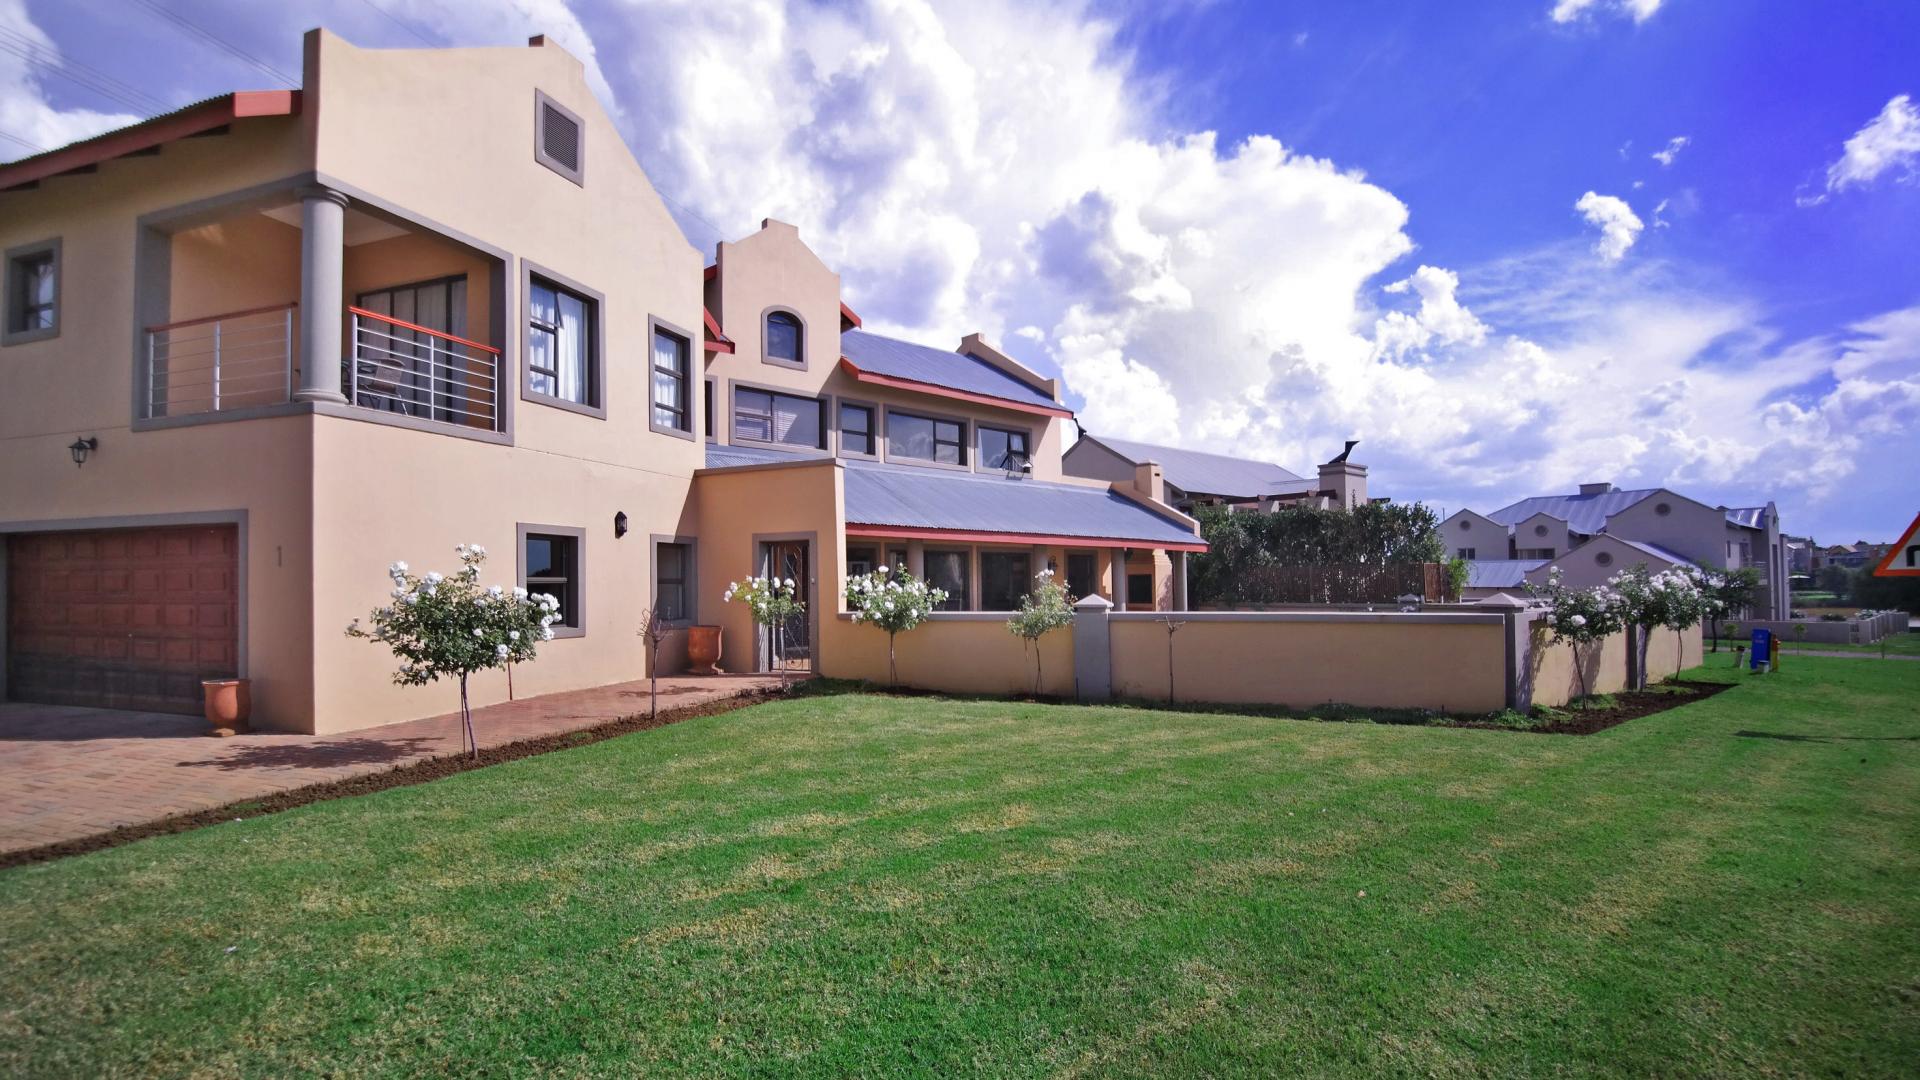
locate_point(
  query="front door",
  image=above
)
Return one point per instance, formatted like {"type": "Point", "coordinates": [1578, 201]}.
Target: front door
{"type": "Point", "coordinates": [792, 647]}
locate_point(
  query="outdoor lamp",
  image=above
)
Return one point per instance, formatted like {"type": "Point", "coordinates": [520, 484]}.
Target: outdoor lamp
{"type": "Point", "coordinates": [619, 524]}
{"type": "Point", "coordinates": [81, 447]}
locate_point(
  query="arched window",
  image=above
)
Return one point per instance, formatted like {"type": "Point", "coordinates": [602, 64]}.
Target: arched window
{"type": "Point", "coordinates": [784, 339]}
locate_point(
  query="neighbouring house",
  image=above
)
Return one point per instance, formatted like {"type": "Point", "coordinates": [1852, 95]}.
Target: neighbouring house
{"type": "Point", "coordinates": [430, 298]}
{"type": "Point", "coordinates": [1853, 556]}
{"type": "Point", "coordinates": [1802, 553]}
{"type": "Point", "coordinates": [1593, 534]}
{"type": "Point", "coordinates": [1194, 478]}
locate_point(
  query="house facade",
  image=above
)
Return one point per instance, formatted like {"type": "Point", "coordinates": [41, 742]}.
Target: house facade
{"type": "Point", "coordinates": [1194, 478]}
{"type": "Point", "coordinates": [1593, 534]}
{"type": "Point", "coordinates": [427, 299]}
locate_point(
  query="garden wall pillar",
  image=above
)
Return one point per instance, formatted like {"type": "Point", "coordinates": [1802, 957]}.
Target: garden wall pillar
{"type": "Point", "coordinates": [1092, 652]}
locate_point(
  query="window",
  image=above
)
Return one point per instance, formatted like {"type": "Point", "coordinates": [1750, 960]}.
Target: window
{"type": "Point", "coordinates": [949, 570]}
{"type": "Point", "coordinates": [856, 429]}
{"type": "Point", "coordinates": [562, 344]}
{"type": "Point", "coordinates": [897, 557]}
{"type": "Point", "coordinates": [1081, 575]}
{"type": "Point", "coordinates": [1463, 553]}
{"type": "Point", "coordinates": [1140, 590]}
{"type": "Point", "coordinates": [1465, 524]}
{"type": "Point", "coordinates": [551, 564]}
{"type": "Point", "coordinates": [672, 574]}
{"type": "Point", "coordinates": [925, 439]}
{"type": "Point", "coordinates": [33, 293]}
{"type": "Point", "coordinates": [1002, 449]}
{"type": "Point", "coordinates": [1663, 509]}
{"type": "Point", "coordinates": [1603, 558]}
{"type": "Point", "coordinates": [557, 138]}
{"type": "Point", "coordinates": [859, 561]}
{"type": "Point", "coordinates": [783, 419]}
{"type": "Point", "coordinates": [1003, 579]}
{"type": "Point", "coordinates": [786, 339]}
{"type": "Point", "coordinates": [708, 389]}
{"type": "Point", "coordinates": [672, 411]}
{"type": "Point", "coordinates": [1539, 530]}
{"type": "Point", "coordinates": [1534, 553]}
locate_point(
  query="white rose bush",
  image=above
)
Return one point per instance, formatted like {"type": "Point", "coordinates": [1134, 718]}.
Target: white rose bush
{"type": "Point", "coordinates": [1581, 618]}
{"type": "Point", "coordinates": [892, 600]}
{"type": "Point", "coordinates": [1042, 611]}
{"type": "Point", "coordinates": [772, 602]}
{"type": "Point", "coordinates": [1674, 599]}
{"type": "Point", "coordinates": [451, 626]}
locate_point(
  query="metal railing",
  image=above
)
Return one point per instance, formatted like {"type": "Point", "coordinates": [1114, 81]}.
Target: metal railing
{"type": "Point", "coordinates": [402, 367]}
{"type": "Point", "coordinates": [238, 360]}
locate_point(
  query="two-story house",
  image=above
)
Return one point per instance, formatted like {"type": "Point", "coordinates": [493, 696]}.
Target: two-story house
{"type": "Point", "coordinates": [1197, 478]}
{"type": "Point", "coordinates": [257, 349]}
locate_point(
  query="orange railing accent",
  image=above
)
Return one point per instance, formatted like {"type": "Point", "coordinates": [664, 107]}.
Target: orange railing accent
{"type": "Point", "coordinates": [204, 319]}
{"type": "Point", "coordinates": [442, 334]}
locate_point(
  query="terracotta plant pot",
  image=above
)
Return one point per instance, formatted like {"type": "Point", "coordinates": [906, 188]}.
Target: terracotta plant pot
{"type": "Point", "coordinates": [703, 649]}
{"type": "Point", "coordinates": [229, 704]}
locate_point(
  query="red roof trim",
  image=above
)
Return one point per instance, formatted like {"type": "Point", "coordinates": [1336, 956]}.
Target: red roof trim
{"type": "Point", "coordinates": [716, 341]}
{"type": "Point", "coordinates": [847, 314]}
{"type": "Point", "coordinates": [948, 392]}
{"type": "Point", "coordinates": [967, 536]}
{"type": "Point", "coordinates": [710, 272]}
{"type": "Point", "coordinates": [192, 120]}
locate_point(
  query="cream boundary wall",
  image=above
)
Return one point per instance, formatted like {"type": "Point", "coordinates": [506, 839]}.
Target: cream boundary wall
{"type": "Point", "coordinates": [1664, 647]}
{"type": "Point", "coordinates": [955, 653]}
{"type": "Point", "coordinates": [1551, 668]}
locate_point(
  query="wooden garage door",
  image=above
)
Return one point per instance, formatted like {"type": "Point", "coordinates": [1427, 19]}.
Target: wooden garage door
{"type": "Point", "coordinates": [122, 618]}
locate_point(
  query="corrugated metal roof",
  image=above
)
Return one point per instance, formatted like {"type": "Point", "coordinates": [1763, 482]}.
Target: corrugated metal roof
{"type": "Point", "coordinates": [1199, 473]}
{"type": "Point", "coordinates": [1582, 513]}
{"type": "Point", "coordinates": [1657, 551]}
{"type": "Point", "coordinates": [922, 498]}
{"type": "Point", "coordinates": [1500, 573]}
{"type": "Point", "coordinates": [941, 367]}
{"type": "Point", "coordinates": [1749, 516]}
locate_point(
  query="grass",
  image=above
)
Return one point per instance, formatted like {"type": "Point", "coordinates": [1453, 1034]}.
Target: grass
{"type": "Point", "coordinates": [872, 885]}
{"type": "Point", "coordinates": [1897, 645]}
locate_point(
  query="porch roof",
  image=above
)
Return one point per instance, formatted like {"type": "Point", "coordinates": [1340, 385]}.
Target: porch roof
{"type": "Point", "coordinates": [906, 500]}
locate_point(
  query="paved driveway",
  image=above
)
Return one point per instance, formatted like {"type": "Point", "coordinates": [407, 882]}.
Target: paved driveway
{"type": "Point", "coordinates": [66, 772]}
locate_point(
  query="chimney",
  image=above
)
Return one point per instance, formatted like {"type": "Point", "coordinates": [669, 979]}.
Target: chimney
{"type": "Point", "coordinates": [1343, 482]}
{"type": "Point", "coordinates": [1147, 481]}
{"type": "Point", "coordinates": [1600, 488]}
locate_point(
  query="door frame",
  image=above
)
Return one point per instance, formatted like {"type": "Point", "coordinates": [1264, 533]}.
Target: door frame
{"type": "Point", "coordinates": [810, 592]}
{"type": "Point", "coordinates": [236, 518]}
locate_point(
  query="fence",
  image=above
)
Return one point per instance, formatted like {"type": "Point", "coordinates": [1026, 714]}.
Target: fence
{"type": "Point", "coordinates": [1819, 631]}
{"type": "Point", "coordinates": [1338, 583]}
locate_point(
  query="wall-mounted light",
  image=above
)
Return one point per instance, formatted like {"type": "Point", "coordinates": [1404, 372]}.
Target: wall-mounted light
{"type": "Point", "coordinates": [81, 447]}
{"type": "Point", "coordinates": [620, 524]}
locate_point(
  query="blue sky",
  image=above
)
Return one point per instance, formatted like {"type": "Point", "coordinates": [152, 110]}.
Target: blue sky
{"type": "Point", "coordinates": [1263, 228]}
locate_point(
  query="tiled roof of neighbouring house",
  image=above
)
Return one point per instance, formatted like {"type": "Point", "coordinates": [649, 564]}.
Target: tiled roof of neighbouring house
{"type": "Point", "coordinates": [1500, 573]}
{"type": "Point", "coordinates": [914, 497]}
{"type": "Point", "coordinates": [1583, 513]}
{"type": "Point", "coordinates": [898, 359]}
{"type": "Point", "coordinates": [1199, 473]}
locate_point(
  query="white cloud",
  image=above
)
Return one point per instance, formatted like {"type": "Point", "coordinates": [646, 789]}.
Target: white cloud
{"type": "Point", "coordinates": [1890, 142]}
{"type": "Point", "coordinates": [30, 121]}
{"type": "Point", "coordinates": [1619, 226]}
{"type": "Point", "coordinates": [1440, 320]}
{"type": "Point", "coordinates": [1674, 146]}
{"type": "Point", "coordinates": [1566, 11]}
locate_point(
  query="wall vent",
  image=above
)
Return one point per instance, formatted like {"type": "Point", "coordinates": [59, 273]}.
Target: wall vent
{"type": "Point", "coordinates": [559, 138]}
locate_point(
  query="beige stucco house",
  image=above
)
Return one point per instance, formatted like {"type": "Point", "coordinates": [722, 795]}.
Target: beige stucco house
{"type": "Point", "coordinates": [1196, 478]}
{"type": "Point", "coordinates": [1601, 529]}
{"type": "Point", "coordinates": [429, 298]}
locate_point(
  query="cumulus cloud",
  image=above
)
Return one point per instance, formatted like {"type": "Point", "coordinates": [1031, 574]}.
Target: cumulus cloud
{"type": "Point", "coordinates": [1567, 11]}
{"type": "Point", "coordinates": [33, 124]}
{"type": "Point", "coordinates": [1890, 142]}
{"type": "Point", "coordinates": [1619, 226]}
{"type": "Point", "coordinates": [1440, 320]}
{"type": "Point", "coordinates": [1672, 150]}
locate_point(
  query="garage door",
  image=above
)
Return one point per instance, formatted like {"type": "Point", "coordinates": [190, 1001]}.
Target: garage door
{"type": "Point", "coordinates": [122, 618]}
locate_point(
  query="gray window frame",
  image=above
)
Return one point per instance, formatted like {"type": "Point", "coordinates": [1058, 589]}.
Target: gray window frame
{"type": "Point", "coordinates": [963, 600]}
{"type": "Point", "coordinates": [690, 584]}
{"type": "Point", "coordinates": [980, 559]}
{"type": "Point", "coordinates": [966, 439]}
{"type": "Point", "coordinates": [874, 430]}
{"type": "Point", "coordinates": [596, 343]}
{"type": "Point", "coordinates": [733, 406]}
{"type": "Point", "coordinates": [541, 102]}
{"type": "Point", "coordinates": [14, 308]}
{"type": "Point", "coordinates": [577, 627]}
{"type": "Point", "coordinates": [765, 338]}
{"type": "Point", "coordinates": [655, 327]}
{"type": "Point", "coordinates": [980, 453]}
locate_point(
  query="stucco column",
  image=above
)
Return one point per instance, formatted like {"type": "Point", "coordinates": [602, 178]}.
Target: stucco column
{"type": "Point", "coordinates": [1179, 580]}
{"type": "Point", "coordinates": [1120, 579]}
{"type": "Point", "coordinates": [323, 227]}
{"type": "Point", "coordinates": [1092, 650]}
{"type": "Point", "coordinates": [917, 560]}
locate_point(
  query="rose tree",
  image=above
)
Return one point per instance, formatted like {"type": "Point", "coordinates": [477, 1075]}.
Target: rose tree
{"type": "Point", "coordinates": [772, 602]}
{"type": "Point", "coordinates": [893, 600]}
{"type": "Point", "coordinates": [1580, 617]}
{"type": "Point", "coordinates": [1042, 611]}
{"type": "Point", "coordinates": [452, 626]}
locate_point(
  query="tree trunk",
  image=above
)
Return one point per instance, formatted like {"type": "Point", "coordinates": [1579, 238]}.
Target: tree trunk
{"type": "Point", "coordinates": [466, 718]}
{"type": "Point", "coordinates": [1679, 652]}
{"type": "Point", "coordinates": [1644, 644]}
{"type": "Point", "coordinates": [893, 672]}
{"type": "Point", "coordinates": [1037, 670]}
{"type": "Point", "coordinates": [1580, 674]}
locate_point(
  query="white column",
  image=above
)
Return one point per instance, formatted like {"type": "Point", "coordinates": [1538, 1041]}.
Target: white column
{"type": "Point", "coordinates": [323, 225]}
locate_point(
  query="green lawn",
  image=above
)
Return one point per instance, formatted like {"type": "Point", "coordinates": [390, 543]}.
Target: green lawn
{"type": "Point", "coordinates": [869, 885]}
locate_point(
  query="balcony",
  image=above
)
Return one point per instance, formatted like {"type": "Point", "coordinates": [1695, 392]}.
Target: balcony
{"type": "Point", "coordinates": [221, 363]}
{"type": "Point", "coordinates": [401, 367]}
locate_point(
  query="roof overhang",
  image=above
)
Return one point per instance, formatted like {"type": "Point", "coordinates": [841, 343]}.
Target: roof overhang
{"type": "Point", "coordinates": [847, 316]}
{"type": "Point", "coordinates": [964, 536]}
{"type": "Point", "coordinates": [716, 341]}
{"type": "Point", "coordinates": [875, 379]}
{"type": "Point", "coordinates": [197, 119]}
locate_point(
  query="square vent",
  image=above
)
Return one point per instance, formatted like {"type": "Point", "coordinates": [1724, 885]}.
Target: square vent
{"type": "Point", "coordinates": [558, 138]}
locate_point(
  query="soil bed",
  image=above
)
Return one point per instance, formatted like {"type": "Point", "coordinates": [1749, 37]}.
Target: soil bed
{"type": "Point", "coordinates": [1629, 705]}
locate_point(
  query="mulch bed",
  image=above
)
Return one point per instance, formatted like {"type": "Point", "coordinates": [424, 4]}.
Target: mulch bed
{"type": "Point", "coordinates": [404, 775]}
{"type": "Point", "coordinates": [1632, 705]}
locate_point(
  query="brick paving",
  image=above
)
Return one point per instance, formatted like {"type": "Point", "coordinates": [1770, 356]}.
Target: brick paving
{"type": "Point", "coordinates": [67, 772]}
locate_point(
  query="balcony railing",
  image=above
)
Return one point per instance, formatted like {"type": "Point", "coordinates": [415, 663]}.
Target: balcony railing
{"type": "Point", "coordinates": [402, 367]}
{"type": "Point", "coordinates": [221, 362]}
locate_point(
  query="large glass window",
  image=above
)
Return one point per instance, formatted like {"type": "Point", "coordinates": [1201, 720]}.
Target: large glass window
{"type": "Point", "coordinates": [923, 438]}
{"type": "Point", "coordinates": [859, 561]}
{"type": "Point", "coordinates": [784, 419]}
{"type": "Point", "coordinates": [32, 298]}
{"type": "Point", "coordinates": [1004, 577]}
{"type": "Point", "coordinates": [856, 429]}
{"type": "Point", "coordinates": [560, 345]}
{"type": "Point", "coordinates": [949, 570]}
{"type": "Point", "coordinates": [784, 338]}
{"type": "Point", "coordinates": [1003, 449]}
{"type": "Point", "coordinates": [670, 379]}
{"type": "Point", "coordinates": [1081, 570]}
{"type": "Point", "coordinates": [1140, 590]}
{"type": "Point", "coordinates": [671, 573]}
{"type": "Point", "coordinates": [552, 564]}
